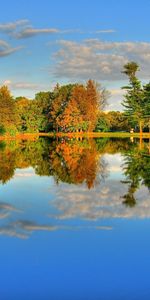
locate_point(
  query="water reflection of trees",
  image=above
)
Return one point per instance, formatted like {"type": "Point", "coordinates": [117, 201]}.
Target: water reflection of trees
{"type": "Point", "coordinates": [75, 161]}
{"type": "Point", "coordinates": [137, 171]}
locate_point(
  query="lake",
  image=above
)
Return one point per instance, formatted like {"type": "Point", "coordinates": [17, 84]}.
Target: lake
{"type": "Point", "coordinates": [75, 219]}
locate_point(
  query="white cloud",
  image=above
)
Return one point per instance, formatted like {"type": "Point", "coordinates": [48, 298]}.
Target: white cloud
{"type": "Point", "coordinates": [117, 92]}
{"type": "Point", "coordinates": [30, 32]}
{"type": "Point", "coordinates": [4, 215]}
{"type": "Point", "coordinates": [12, 26]}
{"type": "Point", "coordinates": [105, 31]}
{"type": "Point", "coordinates": [31, 226]}
{"type": "Point", "coordinates": [115, 99]}
{"type": "Point", "coordinates": [6, 49]}
{"type": "Point", "coordinates": [21, 29]}
{"type": "Point", "coordinates": [104, 201]}
{"type": "Point", "coordinates": [99, 60]}
{"type": "Point", "coordinates": [8, 231]}
{"type": "Point", "coordinates": [7, 207]}
{"type": "Point", "coordinates": [93, 205]}
{"type": "Point", "coordinates": [22, 85]}
{"type": "Point", "coordinates": [23, 175]}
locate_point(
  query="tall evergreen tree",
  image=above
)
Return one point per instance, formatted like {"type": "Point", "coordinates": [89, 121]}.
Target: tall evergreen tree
{"type": "Point", "coordinates": [134, 98]}
{"type": "Point", "coordinates": [146, 90]}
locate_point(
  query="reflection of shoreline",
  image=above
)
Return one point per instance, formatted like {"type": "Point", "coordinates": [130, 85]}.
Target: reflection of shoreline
{"type": "Point", "coordinates": [34, 136]}
{"type": "Point", "coordinates": [73, 204]}
{"type": "Point", "coordinates": [72, 161]}
{"type": "Point", "coordinates": [87, 162]}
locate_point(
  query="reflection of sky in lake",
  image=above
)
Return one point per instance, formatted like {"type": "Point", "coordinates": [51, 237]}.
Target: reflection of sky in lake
{"type": "Point", "coordinates": [67, 242]}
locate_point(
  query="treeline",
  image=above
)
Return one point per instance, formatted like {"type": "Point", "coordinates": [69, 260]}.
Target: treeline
{"type": "Point", "coordinates": [76, 108]}
{"type": "Point", "coordinates": [68, 108]}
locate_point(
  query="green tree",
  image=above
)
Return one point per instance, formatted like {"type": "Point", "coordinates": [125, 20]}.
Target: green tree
{"type": "Point", "coordinates": [61, 97]}
{"type": "Point", "coordinates": [134, 99]}
{"type": "Point", "coordinates": [22, 105]}
{"type": "Point", "coordinates": [103, 123]}
{"type": "Point", "coordinates": [136, 169]}
{"type": "Point", "coordinates": [146, 91]}
{"type": "Point", "coordinates": [117, 121]}
{"type": "Point", "coordinates": [2, 130]}
{"type": "Point", "coordinates": [43, 102]}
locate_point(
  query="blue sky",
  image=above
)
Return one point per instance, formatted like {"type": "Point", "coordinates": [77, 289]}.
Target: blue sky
{"type": "Point", "coordinates": [44, 42]}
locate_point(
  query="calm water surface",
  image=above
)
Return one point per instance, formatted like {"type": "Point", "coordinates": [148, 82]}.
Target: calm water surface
{"type": "Point", "coordinates": [75, 219]}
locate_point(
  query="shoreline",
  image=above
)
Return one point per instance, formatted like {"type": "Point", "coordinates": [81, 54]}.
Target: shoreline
{"type": "Point", "coordinates": [76, 135]}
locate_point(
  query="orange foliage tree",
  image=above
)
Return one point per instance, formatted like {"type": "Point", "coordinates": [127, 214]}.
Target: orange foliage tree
{"type": "Point", "coordinates": [71, 118]}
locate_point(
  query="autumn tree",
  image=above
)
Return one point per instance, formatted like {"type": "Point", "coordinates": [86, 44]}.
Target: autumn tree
{"type": "Point", "coordinates": [90, 99]}
{"type": "Point", "coordinates": [72, 107]}
{"type": "Point", "coordinates": [7, 109]}
{"type": "Point", "coordinates": [61, 97]}
{"type": "Point", "coordinates": [79, 98]}
{"type": "Point", "coordinates": [71, 118]}
{"type": "Point", "coordinates": [7, 164]}
{"type": "Point", "coordinates": [75, 162]}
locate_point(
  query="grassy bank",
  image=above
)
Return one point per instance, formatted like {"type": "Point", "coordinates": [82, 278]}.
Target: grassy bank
{"type": "Point", "coordinates": [33, 136]}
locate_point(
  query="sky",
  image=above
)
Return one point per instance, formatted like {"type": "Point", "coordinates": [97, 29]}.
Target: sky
{"type": "Point", "coordinates": [45, 42]}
